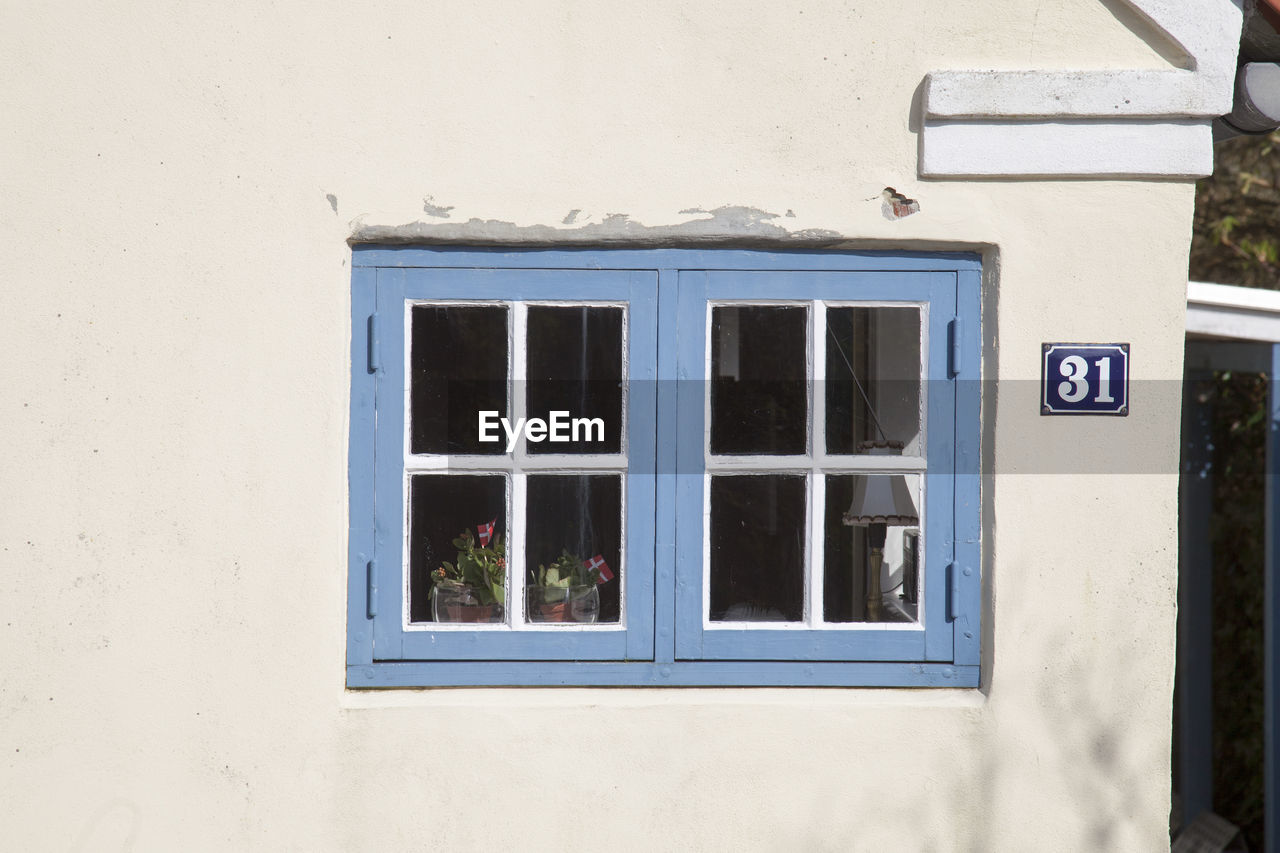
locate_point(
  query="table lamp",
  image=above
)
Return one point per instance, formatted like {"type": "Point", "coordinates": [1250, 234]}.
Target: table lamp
{"type": "Point", "coordinates": [879, 500]}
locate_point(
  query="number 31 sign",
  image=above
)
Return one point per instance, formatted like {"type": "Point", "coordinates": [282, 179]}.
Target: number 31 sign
{"type": "Point", "coordinates": [1084, 379]}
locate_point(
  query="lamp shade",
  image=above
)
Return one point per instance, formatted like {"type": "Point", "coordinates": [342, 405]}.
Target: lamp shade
{"type": "Point", "coordinates": [881, 499]}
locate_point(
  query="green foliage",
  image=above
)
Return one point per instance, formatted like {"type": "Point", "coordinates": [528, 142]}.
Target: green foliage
{"type": "Point", "coordinates": [482, 570]}
{"type": "Point", "coordinates": [1237, 217]}
{"type": "Point", "coordinates": [567, 570]}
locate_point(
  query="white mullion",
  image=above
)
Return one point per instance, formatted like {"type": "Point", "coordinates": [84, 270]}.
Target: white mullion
{"type": "Point", "coordinates": [442, 464]}
{"type": "Point", "coordinates": [749, 464]}
{"type": "Point", "coordinates": [705, 616]}
{"type": "Point", "coordinates": [814, 558]}
{"type": "Point", "coordinates": [815, 574]}
{"type": "Point", "coordinates": [406, 521]}
{"type": "Point", "coordinates": [406, 405]}
{"type": "Point", "coordinates": [707, 378]}
{"type": "Point", "coordinates": [922, 544]}
{"type": "Point", "coordinates": [515, 550]}
{"type": "Point", "coordinates": [406, 427]}
{"type": "Point", "coordinates": [623, 568]}
{"type": "Point", "coordinates": [553, 463]}
{"type": "Point", "coordinates": [519, 378]}
{"type": "Point", "coordinates": [817, 373]}
{"type": "Point", "coordinates": [517, 336]}
{"type": "Point", "coordinates": [872, 464]}
{"type": "Point", "coordinates": [623, 458]}
{"type": "Point", "coordinates": [519, 411]}
{"type": "Point", "coordinates": [625, 370]}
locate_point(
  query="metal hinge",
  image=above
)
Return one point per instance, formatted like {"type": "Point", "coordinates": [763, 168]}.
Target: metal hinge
{"type": "Point", "coordinates": [953, 591]}
{"type": "Point", "coordinates": [371, 588]}
{"type": "Point", "coordinates": [957, 576]}
{"type": "Point", "coordinates": [375, 360]}
{"type": "Point", "coordinates": [955, 331]}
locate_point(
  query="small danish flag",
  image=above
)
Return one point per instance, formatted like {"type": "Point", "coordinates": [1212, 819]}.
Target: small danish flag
{"type": "Point", "coordinates": [486, 532]}
{"type": "Point", "coordinates": [597, 562]}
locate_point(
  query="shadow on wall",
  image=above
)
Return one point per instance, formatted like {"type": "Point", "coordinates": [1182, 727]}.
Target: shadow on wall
{"type": "Point", "coordinates": [1060, 754]}
{"type": "Point", "coordinates": [113, 827]}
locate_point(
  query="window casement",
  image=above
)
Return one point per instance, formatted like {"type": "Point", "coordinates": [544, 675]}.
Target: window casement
{"type": "Point", "coordinates": [663, 467]}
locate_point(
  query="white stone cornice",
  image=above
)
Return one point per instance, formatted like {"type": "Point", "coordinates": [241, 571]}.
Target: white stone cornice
{"type": "Point", "coordinates": [1089, 147]}
{"type": "Point", "coordinates": [1084, 94]}
{"type": "Point", "coordinates": [1111, 123]}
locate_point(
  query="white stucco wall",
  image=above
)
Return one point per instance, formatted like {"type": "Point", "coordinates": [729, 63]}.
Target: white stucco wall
{"type": "Point", "coordinates": [173, 397]}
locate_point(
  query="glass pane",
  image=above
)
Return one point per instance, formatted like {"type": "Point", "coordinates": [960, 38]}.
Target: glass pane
{"type": "Point", "coordinates": [458, 368]}
{"type": "Point", "coordinates": [872, 518]}
{"type": "Point", "coordinates": [759, 396]}
{"type": "Point", "coordinates": [757, 548]}
{"type": "Point", "coordinates": [873, 378]}
{"type": "Point", "coordinates": [443, 508]}
{"type": "Point", "coordinates": [575, 370]}
{"type": "Point", "coordinates": [573, 519]}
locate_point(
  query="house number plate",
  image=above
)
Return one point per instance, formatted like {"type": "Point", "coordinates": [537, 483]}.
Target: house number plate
{"type": "Point", "coordinates": [1084, 379]}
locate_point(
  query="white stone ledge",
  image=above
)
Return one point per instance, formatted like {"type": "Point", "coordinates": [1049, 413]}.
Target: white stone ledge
{"type": "Point", "coordinates": [1096, 148]}
{"type": "Point", "coordinates": [1100, 94]}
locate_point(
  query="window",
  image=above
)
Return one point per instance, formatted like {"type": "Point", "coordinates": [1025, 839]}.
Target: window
{"type": "Point", "coordinates": [663, 467]}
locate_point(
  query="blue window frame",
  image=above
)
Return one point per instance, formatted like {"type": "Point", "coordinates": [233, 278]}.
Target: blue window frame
{"type": "Point", "coordinates": [700, 479]}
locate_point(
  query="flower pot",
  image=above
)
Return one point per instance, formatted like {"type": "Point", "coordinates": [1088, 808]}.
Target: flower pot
{"type": "Point", "coordinates": [575, 604]}
{"type": "Point", "coordinates": [459, 604]}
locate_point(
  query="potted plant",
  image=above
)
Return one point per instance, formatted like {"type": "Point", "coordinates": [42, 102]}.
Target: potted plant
{"type": "Point", "coordinates": [565, 591]}
{"type": "Point", "coordinates": [472, 589]}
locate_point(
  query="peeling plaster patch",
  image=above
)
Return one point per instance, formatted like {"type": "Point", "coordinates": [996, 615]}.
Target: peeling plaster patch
{"type": "Point", "coordinates": [571, 217]}
{"type": "Point", "coordinates": [333, 201]}
{"type": "Point", "coordinates": [432, 209]}
{"type": "Point", "coordinates": [896, 205]}
{"type": "Point", "coordinates": [730, 224]}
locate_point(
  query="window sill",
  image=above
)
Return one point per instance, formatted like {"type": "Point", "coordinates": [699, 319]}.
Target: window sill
{"type": "Point", "coordinates": [678, 674]}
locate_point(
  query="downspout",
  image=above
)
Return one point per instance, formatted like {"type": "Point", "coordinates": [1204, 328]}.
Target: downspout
{"type": "Point", "coordinates": [1256, 107]}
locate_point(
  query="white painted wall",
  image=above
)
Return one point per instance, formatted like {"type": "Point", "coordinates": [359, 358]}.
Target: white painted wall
{"type": "Point", "coordinates": [173, 395]}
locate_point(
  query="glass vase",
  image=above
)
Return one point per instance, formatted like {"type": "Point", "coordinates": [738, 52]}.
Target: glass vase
{"type": "Point", "coordinates": [573, 604]}
{"type": "Point", "coordinates": [459, 604]}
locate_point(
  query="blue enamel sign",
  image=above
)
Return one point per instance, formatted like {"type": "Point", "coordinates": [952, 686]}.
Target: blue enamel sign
{"type": "Point", "coordinates": [1084, 379]}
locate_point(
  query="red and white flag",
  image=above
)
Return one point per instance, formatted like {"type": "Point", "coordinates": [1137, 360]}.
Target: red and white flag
{"type": "Point", "coordinates": [486, 532]}
{"type": "Point", "coordinates": [597, 562]}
